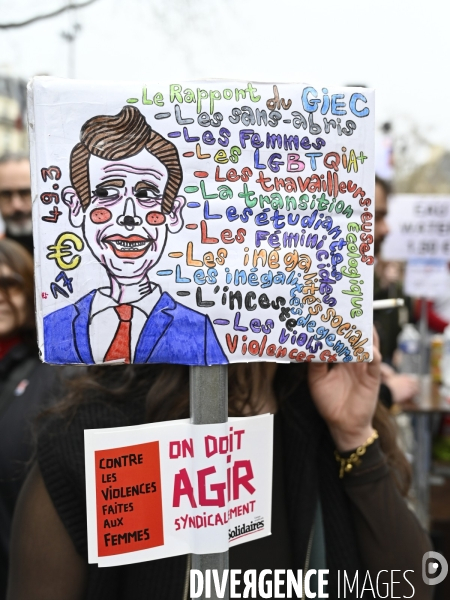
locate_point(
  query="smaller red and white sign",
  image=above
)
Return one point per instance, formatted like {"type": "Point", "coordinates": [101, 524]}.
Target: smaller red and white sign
{"type": "Point", "coordinates": [165, 489]}
{"type": "Point", "coordinates": [128, 488]}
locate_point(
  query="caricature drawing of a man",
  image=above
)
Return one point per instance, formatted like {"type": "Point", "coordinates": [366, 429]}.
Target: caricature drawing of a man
{"type": "Point", "coordinates": [126, 179]}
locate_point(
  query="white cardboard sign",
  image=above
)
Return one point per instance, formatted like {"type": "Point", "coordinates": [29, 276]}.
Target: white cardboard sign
{"type": "Point", "coordinates": [427, 278]}
{"type": "Point", "coordinates": [419, 227]}
{"type": "Point", "coordinates": [202, 222]}
{"type": "Point", "coordinates": [165, 489]}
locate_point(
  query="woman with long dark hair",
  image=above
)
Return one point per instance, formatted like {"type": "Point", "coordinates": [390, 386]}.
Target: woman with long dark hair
{"type": "Point", "coordinates": [24, 383]}
{"type": "Point", "coordinates": [332, 509]}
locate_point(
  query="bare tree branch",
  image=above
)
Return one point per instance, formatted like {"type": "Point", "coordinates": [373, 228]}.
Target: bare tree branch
{"type": "Point", "coordinates": [47, 16]}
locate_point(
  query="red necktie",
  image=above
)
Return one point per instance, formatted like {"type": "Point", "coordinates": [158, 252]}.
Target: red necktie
{"type": "Point", "coordinates": [120, 348]}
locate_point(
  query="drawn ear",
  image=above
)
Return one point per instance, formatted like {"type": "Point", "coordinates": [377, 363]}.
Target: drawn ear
{"type": "Point", "coordinates": [174, 218]}
{"type": "Point", "coordinates": [72, 201]}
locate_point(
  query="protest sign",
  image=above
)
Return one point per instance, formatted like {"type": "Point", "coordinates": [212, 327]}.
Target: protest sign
{"type": "Point", "coordinates": [202, 223]}
{"type": "Point", "coordinates": [172, 488]}
{"type": "Point", "coordinates": [427, 278]}
{"type": "Point", "coordinates": [419, 227]}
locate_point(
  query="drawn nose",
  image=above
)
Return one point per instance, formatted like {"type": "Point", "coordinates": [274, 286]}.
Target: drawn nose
{"type": "Point", "coordinates": [129, 219]}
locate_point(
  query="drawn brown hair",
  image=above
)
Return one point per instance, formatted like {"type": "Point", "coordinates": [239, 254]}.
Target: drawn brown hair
{"type": "Point", "coordinates": [117, 137]}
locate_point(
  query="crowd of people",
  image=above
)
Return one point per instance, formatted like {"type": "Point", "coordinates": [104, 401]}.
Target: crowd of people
{"type": "Point", "coordinates": [360, 521]}
{"type": "Point", "coordinates": [25, 383]}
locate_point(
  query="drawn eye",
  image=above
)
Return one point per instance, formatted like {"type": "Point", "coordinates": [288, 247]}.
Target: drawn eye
{"type": "Point", "coordinates": [100, 215]}
{"type": "Point", "coordinates": [106, 192]}
{"type": "Point", "coordinates": [147, 193]}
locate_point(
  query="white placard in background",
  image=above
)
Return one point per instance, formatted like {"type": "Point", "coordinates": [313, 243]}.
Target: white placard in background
{"type": "Point", "coordinates": [419, 227]}
{"type": "Point", "coordinates": [426, 278]}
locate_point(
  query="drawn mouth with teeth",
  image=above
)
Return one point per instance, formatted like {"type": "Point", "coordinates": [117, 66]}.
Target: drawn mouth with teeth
{"type": "Point", "coordinates": [133, 246]}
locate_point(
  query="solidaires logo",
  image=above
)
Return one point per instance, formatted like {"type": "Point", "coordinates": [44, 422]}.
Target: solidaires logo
{"type": "Point", "coordinates": [246, 529]}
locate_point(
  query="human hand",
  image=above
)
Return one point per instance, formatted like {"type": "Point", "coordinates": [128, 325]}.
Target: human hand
{"type": "Point", "coordinates": [403, 387]}
{"type": "Point", "coordinates": [346, 396]}
{"type": "Point", "coordinates": [386, 371]}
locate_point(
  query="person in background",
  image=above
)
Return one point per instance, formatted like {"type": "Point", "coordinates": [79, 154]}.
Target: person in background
{"type": "Point", "coordinates": [396, 388]}
{"type": "Point", "coordinates": [382, 190]}
{"type": "Point", "coordinates": [24, 384]}
{"type": "Point", "coordinates": [15, 199]}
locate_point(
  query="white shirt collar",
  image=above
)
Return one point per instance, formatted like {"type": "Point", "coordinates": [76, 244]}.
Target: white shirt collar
{"type": "Point", "coordinates": [102, 301]}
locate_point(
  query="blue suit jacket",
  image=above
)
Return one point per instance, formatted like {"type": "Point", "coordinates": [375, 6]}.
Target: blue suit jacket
{"type": "Point", "coordinates": [173, 333]}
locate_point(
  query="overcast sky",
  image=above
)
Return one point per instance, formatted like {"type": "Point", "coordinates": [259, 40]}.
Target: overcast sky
{"type": "Point", "coordinates": [399, 47]}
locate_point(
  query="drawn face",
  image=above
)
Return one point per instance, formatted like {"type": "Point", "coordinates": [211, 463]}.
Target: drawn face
{"type": "Point", "coordinates": [124, 226]}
